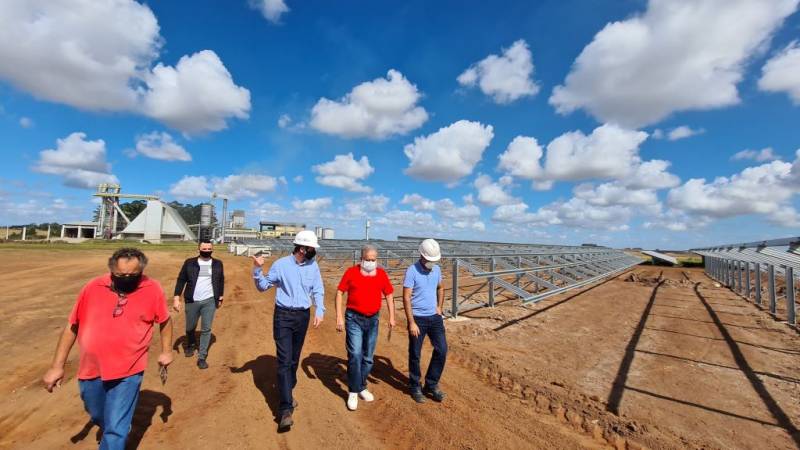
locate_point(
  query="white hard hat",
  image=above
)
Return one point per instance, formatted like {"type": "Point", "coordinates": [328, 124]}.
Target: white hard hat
{"type": "Point", "coordinates": [306, 238]}
{"type": "Point", "coordinates": [429, 249]}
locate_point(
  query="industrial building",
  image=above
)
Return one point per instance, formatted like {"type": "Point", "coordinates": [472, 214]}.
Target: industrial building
{"type": "Point", "coordinates": [158, 222]}
{"type": "Point", "coordinates": [324, 233]}
{"type": "Point", "coordinates": [269, 229]}
{"type": "Point", "coordinates": [79, 231]}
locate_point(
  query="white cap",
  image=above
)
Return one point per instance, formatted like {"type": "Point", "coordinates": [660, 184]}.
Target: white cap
{"type": "Point", "coordinates": [306, 238]}
{"type": "Point", "coordinates": [429, 249]}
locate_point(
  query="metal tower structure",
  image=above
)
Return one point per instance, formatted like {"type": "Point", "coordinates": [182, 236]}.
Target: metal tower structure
{"type": "Point", "coordinates": [108, 220]}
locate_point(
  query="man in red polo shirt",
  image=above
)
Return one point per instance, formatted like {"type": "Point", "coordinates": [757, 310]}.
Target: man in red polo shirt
{"type": "Point", "coordinates": [112, 321]}
{"type": "Point", "coordinates": [364, 284]}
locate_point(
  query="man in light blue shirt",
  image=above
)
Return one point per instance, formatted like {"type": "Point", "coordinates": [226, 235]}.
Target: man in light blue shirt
{"type": "Point", "coordinates": [423, 298]}
{"type": "Point", "coordinates": [297, 281]}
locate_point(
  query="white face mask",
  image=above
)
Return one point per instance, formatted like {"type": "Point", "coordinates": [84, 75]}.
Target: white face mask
{"type": "Point", "coordinates": [369, 266]}
{"type": "Point", "coordinates": [428, 265]}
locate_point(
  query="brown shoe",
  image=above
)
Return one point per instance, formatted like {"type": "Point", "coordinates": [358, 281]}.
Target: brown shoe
{"type": "Point", "coordinates": [286, 422]}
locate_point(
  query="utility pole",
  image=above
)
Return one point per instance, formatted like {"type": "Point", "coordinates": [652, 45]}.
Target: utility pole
{"type": "Point", "coordinates": [366, 230]}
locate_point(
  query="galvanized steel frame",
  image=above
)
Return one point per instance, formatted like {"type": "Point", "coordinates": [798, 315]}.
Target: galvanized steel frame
{"type": "Point", "coordinates": [741, 267]}
{"type": "Point", "coordinates": [529, 272]}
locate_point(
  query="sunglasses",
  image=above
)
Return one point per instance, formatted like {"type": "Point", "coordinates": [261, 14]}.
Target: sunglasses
{"type": "Point", "coordinates": [122, 300]}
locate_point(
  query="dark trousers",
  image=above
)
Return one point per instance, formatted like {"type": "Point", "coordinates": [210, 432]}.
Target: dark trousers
{"type": "Point", "coordinates": [289, 328]}
{"type": "Point", "coordinates": [433, 327]}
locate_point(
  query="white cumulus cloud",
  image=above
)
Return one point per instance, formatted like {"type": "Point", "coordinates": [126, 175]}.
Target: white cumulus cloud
{"type": "Point", "coordinates": [191, 187]}
{"type": "Point", "coordinates": [80, 162]}
{"type": "Point", "coordinates": [678, 55]}
{"type": "Point", "coordinates": [764, 190]}
{"type": "Point", "coordinates": [272, 10]}
{"type": "Point", "coordinates": [233, 187]}
{"type": "Point", "coordinates": [26, 122]}
{"type": "Point", "coordinates": [765, 154]}
{"type": "Point", "coordinates": [521, 158]}
{"type": "Point", "coordinates": [197, 95]}
{"type": "Point", "coordinates": [344, 172]}
{"type": "Point", "coordinates": [505, 77]}
{"type": "Point", "coordinates": [494, 193]}
{"type": "Point", "coordinates": [782, 73]}
{"type": "Point", "coordinates": [161, 146]}
{"type": "Point", "coordinates": [312, 204]}
{"type": "Point", "coordinates": [445, 207]}
{"type": "Point", "coordinates": [375, 109]}
{"type": "Point", "coordinates": [450, 153]}
{"type": "Point", "coordinates": [99, 56]}
{"type": "Point", "coordinates": [609, 152]}
{"type": "Point", "coordinates": [683, 132]}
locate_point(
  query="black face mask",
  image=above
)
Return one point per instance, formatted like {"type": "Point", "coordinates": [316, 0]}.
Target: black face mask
{"type": "Point", "coordinates": [310, 253]}
{"type": "Point", "coordinates": [205, 254]}
{"type": "Point", "coordinates": [125, 285]}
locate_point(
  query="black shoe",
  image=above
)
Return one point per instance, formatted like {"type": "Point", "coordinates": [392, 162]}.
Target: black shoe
{"type": "Point", "coordinates": [417, 396]}
{"type": "Point", "coordinates": [188, 351]}
{"type": "Point", "coordinates": [436, 394]}
{"type": "Point", "coordinates": [286, 422]}
{"type": "Point", "coordinates": [201, 363]}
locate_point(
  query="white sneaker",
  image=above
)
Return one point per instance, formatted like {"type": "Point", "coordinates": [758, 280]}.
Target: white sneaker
{"type": "Point", "coordinates": [352, 401]}
{"type": "Point", "coordinates": [366, 395]}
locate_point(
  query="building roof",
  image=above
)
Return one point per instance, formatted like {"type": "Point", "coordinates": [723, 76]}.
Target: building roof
{"type": "Point", "coordinates": [79, 224]}
{"type": "Point", "coordinates": [661, 256]}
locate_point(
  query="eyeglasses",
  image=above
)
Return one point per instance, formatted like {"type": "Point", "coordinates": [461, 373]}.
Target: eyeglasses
{"type": "Point", "coordinates": [126, 276]}
{"type": "Point", "coordinates": [122, 300]}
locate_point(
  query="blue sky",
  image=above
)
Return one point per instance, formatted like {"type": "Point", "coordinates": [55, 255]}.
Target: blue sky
{"type": "Point", "coordinates": [623, 115]}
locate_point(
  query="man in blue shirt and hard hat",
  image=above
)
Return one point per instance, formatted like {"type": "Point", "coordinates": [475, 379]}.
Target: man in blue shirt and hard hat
{"type": "Point", "coordinates": [297, 280]}
{"type": "Point", "coordinates": [423, 297]}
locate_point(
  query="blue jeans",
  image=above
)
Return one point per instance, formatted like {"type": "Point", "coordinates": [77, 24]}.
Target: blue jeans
{"type": "Point", "coordinates": [110, 404]}
{"type": "Point", "coordinates": [289, 328]}
{"type": "Point", "coordinates": [204, 309]}
{"type": "Point", "coordinates": [433, 327]}
{"type": "Point", "coordinates": [362, 335]}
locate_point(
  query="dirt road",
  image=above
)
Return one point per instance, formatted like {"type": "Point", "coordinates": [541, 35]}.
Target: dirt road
{"type": "Point", "coordinates": [666, 362]}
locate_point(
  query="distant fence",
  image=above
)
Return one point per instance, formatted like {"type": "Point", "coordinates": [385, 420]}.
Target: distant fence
{"type": "Point", "coordinates": [759, 271]}
{"type": "Point", "coordinates": [20, 233]}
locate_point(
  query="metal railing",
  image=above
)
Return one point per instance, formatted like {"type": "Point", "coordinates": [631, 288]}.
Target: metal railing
{"type": "Point", "coordinates": [744, 268]}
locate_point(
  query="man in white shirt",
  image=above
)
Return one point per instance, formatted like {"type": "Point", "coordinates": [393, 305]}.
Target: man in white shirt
{"type": "Point", "coordinates": [202, 283]}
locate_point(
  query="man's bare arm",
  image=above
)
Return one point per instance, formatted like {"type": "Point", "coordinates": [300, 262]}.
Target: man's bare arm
{"type": "Point", "coordinates": [165, 358]}
{"type": "Point", "coordinates": [55, 374]}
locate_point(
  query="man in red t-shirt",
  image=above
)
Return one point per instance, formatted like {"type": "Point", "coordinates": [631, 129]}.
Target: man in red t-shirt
{"type": "Point", "coordinates": [365, 285]}
{"type": "Point", "coordinates": [112, 320]}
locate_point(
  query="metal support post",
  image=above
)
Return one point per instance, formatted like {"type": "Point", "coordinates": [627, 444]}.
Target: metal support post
{"type": "Point", "coordinates": [454, 308]}
{"type": "Point", "coordinates": [725, 273]}
{"type": "Point", "coordinates": [739, 277]}
{"type": "Point", "coordinates": [747, 280]}
{"type": "Point", "coordinates": [758, 283]}
{"type": "Point", "coordinates": [24, 232]}
{"type": "Point", "coordinates": [773, 307]}
{"type": "Point", "coordinates": [790, 306]}
{"type": "Point", "coordinates": [491, 283]}
{"type": "Point", "coordinates": [519, 275]}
